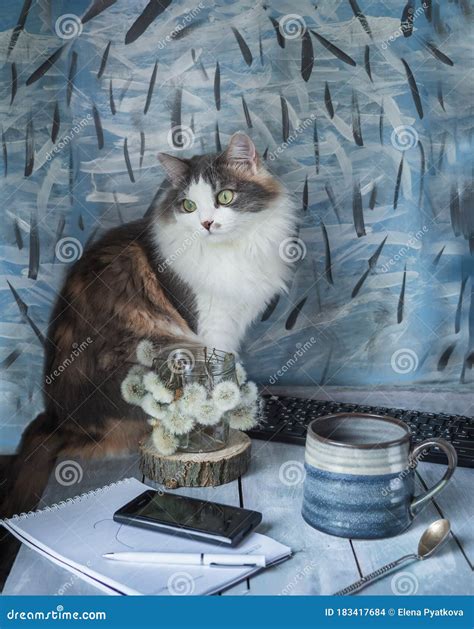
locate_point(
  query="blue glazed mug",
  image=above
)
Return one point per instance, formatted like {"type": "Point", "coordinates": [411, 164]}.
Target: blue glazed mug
{"type": "Point", "coordinates": [360, 475]}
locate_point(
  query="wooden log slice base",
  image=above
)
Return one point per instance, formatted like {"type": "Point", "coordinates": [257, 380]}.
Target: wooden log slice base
{"type": "Point", "coordinates": [197, 469]}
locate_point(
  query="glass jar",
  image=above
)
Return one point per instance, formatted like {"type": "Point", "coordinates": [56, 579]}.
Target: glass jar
{"type": "Point", "coordinates": [185, 365]}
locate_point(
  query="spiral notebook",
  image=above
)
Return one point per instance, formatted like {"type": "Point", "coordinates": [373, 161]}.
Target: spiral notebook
{"type": "Point", "coordinates": [75, 533]}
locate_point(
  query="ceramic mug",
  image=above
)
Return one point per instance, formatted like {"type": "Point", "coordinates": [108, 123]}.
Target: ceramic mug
{"type": "Point", "coordinates": [360, 475]}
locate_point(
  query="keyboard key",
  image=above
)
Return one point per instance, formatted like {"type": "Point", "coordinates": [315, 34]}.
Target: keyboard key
{"type": "Point", "coordinates": [294, 430]}
{"type": "Point", "coordinates": [465, 444]}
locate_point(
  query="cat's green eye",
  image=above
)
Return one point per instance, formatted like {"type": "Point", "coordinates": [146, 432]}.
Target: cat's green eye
{"type": "Point", "coordinates": [188, 205]}
{"type": "Point", "coordinates": [225, 197]}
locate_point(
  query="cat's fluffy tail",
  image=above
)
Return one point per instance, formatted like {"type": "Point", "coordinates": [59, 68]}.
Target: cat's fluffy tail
{"type": "Point", "coordinates": [23, 481]}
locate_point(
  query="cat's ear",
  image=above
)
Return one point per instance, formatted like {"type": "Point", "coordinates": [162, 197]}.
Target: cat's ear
{"type": "Point", "coordinates": [175, 168]}
{"type": "Point", "coordinates": [241, 151]}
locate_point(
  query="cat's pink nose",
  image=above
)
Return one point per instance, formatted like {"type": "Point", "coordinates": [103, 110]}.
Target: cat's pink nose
{"type": "Point", "coordinates": [207, 225]}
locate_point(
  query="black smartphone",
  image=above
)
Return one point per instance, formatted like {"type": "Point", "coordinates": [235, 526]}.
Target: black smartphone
{"type": "Point", "coordinates": [190, 517]}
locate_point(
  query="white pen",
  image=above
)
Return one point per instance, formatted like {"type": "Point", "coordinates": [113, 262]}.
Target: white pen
{"type": "Point", "coordinates": [189, 559]}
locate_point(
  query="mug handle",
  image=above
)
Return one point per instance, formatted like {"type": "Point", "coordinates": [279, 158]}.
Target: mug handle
{"type": "Point", "coordinates": [419, 502]}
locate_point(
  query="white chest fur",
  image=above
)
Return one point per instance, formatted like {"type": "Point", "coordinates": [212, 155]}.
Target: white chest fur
{"type": "Point", "coordinates": [232, 281]}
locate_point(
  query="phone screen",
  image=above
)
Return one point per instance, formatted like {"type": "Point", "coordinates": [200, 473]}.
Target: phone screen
{"type": "Point", "coordinates": [189, 513]}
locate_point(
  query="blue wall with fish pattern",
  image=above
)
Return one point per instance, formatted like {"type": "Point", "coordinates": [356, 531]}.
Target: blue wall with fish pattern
{"type": "Point", "coordinates": [369, 126]}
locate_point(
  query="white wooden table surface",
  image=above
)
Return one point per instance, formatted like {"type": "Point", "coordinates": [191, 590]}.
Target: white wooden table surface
{"type": "Point", "coordinates": [321, 564]}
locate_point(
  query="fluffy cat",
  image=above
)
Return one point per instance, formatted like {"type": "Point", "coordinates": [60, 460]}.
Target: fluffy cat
{"type": "Point", "coordinates": [198, 269]}
{"type": "Point", "coordinates": [231, 260]}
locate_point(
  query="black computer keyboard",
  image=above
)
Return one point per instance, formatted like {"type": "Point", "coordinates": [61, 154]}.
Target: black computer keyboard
{"type": "Point", "coordinates": [285, 419]}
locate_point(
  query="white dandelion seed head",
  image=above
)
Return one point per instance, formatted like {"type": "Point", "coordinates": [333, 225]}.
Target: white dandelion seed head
{"type": "Point", "coordinates": [188, 406]}
{"type": "Point", "coordinates": [240, 373]}
{"type": "Point", "coordinates": [249, 393]}
{"type": "Point", "coordinates": [151, 380]}
{"type": "Point", "coordinates": [226, 395]}
{"type": "Point", "coordinates": [132, 389]}
{"type": "Point", "coordinates": [137, 370]}
{"type": "Point", "coordinates": [164, 442]}
{"type": "Point", "coordinates": [207, 413]}
{"type": "Point", "coordinates": [152, 407]}
{"type": "Point", "coordinates": [155, 386]}
{"type": "Point", "coordinates": [194, 393]}
{"type": "Point", "coordinates": [242, 417]}
{"type": "Point", "coordinates": [146, 353]}
{"type": "Point", "coordinates": [176, 422]}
